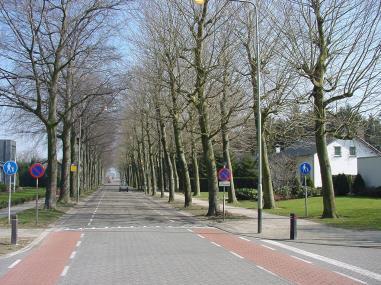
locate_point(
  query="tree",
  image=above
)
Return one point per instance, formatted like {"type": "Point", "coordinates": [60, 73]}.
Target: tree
{"type": "Point", "coordinates": [334, 46]}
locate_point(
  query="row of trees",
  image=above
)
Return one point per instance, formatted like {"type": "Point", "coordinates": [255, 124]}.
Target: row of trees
{"type": "Point", "coordinates": [193, 86]}
{"type": "Point", "coordinates": [56, 70]}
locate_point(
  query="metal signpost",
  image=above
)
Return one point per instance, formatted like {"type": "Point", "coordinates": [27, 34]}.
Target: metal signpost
{"type": "Point", "coordinates": [305, 168]}
{"type": "Point", "coordinates": [37, 170]}
{"type": "Point", "coordinates": [10, 168]}
{"type": "Point", "coordinates": [224, 176]}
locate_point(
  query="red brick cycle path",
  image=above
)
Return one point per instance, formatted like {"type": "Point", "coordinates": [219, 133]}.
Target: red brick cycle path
{"type": "Point", "coordinates": [44, 264]}
{"type": "Point", "coordinates": [281, 264]}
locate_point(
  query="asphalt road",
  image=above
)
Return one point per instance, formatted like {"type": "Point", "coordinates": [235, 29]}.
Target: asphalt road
{"type": "Point", "coordinates": [128, 238]}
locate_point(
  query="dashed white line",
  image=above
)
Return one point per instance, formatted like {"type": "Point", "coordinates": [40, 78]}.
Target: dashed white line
{"type": "Point", "coordinates": [82, 235]}
{"type": "Point", "coordinates": [73, 254]}
{"type": "Point", "coordinates": [78, 243]}
{"type": "Point", "coordinates": [245, 239]}
{"type": "Point", "coordinates": [337, 263]}
{"type": "Point", "coordinates": [216, 244]}
{"type": "Point", "coordinates": [268, 247]}
{"type": "Point", "coordinates": [14, 263]}
{"type": "Point", "coordinates": [237, 255]}
{"type": "Point", "coordinates": [301, 259]}
{"type": "Point", "coordinates": [65, 271]}
{"type": "Point", "coordinates": [172, 221]}
{"type": "Point", "coordinates": [350, 277]}
{"type": "Point", "coordinates": [189, 230]}
{"type": "Point", "coordinates": [201, 236]}
{"type": "Point", "coordinates": [268, 271]}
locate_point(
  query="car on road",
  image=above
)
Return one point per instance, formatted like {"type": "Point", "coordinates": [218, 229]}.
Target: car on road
{"type": "Point", "coordinates": [123, 188]}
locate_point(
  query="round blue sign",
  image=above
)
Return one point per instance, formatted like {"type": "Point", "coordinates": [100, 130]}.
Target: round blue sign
{"type": "Point", "coordinates": [305, 168]}
{"type": "Point", "coordinates": [224, 174]}
{"type": "Point", "coordinates": [10, 167]}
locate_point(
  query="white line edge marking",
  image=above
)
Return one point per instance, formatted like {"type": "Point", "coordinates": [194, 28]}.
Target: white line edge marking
{"type": "Point", "coordinates": [337, 263]}
{"type": "Point", "coordinates": [268, 247]}
{"type": "Point", "coordinates": [237, 255]}
{"type": "Point", "coordinates": [189, 230]}
{"type": "Point", "coordinates": [268, 271]}
{"type": "Point", "coordinates": [82, 235]}
{"type": "Point", "coordinates": [64, 271]}
{"type": "Point", "coordinates": [301, 259]}
{"type": "Point", "coordinates": [73, 254]}
{"type": "Point", "coordinates": [216, 244]}
{"type": "Point", "coordinates": [14, 263]}
{"type": "Point", "coordinates": [172, 221]}
{"type": "Point", "coordinates": [201, 236]}
{"type": "Point", "coordinates": [245, 239]}
{"type": "Point", "coordinates": [350, 277]}
{"type": "Point", "coordinates": [78, 243]}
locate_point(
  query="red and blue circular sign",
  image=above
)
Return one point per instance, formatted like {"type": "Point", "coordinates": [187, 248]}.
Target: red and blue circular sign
{"type": "Point", "coordinates": [37, 170]}
{"type": "Point", "coordinates": [224, 174]}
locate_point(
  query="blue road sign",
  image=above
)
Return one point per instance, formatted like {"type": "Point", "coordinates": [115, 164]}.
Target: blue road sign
{"type": "Point", "coordinates": [10, 167]}
{"type": "Point", "coordinates": [224, 174]}
{"type": "Point", "coordinates": [305, 168]}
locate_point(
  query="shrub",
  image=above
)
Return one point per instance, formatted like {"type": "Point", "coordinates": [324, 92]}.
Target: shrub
{"type": "Point", "coordinates": [283, 192]}
{"type": "Point", "coordinates": [296, 187]}
{"type": "Point", "coordinates": [3, 187]}
{"type": "Point", "coordinates": [341, 184]}
{"type": "Point", "coordinates": [246, 194]}
{"type": "Point", "coordinates": [358, 185]}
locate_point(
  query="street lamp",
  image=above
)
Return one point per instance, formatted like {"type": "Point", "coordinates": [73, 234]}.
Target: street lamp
{"type": "Point", "coordinates": [259, 114]}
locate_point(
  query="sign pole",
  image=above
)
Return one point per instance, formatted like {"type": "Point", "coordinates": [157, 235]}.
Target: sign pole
{"type": "Point", "coordinates": [305, 196]}
{"type": "Point", "coordinates": [223, 204]}
{"type": "Point", "coordinates": [9, 199]}
{"type": "Point", "coordinates": [36, 201]}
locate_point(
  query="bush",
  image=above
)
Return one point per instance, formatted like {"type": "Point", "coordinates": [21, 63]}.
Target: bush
{"type": "Point", "coordinates": [358, 185]}
{"type": "Point", "coordinates": [3, 187]}
{"type": "Point", "coordinates": [341, 185]}
{"type": "Point", "coordinates": [296, 187]}
{"type": "Point", "coordinates": [372, 192]}
{"type": "Point", "coordinates": [246, 194]}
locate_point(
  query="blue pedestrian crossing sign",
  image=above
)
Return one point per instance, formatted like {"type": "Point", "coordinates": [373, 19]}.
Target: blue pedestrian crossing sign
{"type": "Point", "coordinates": [10, 167]}
{"type": "Point", "coordinates": [305, 168]}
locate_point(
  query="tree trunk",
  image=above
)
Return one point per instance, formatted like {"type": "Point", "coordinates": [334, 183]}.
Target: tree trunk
{"type": "Point", "coordinates": [66, 162]}
{"type": "Point", "coordinates": [196, 174]}
{"type": "Point", "coordinates": [268, 193]}
{"type": "Point", "coordinates": [175, 173]}
{"type": "Point", "coordinates": [51, 188]}
{"type": "Point", "coordinates": [151, 161]}
{"type": "Point", "coordinates": [73, 157]}
{"type": "Point", "coordinates": [328, 193]}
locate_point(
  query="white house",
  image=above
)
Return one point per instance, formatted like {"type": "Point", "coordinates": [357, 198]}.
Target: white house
{"type": "Point", "coordinates": [343, 156]}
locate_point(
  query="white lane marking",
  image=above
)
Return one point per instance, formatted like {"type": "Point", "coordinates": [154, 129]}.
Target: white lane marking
{"type": "Point", "coordinates": [301, 259]}
{"type": "Point", "coordinates": [350, 277]}
{"type": "Point", "coordinates": [65, 271]}
{"type": "Point", "coordinates": [78, 243]}
{"type": "Point", "coordinates": [268, 271]}
{"type": "Point", "coordinates": [172, 221]}
{"type": "Point", "coordinates": [245, 239]}
{"type": "Point", "coordinates": [73, 254]}
{"type": "Point", "coordinates": [237, 255]}
{"type": "Point", "coordinates": [216, 244]}
{"type": "Point", "coordinates": [201, 236]}
{"type": "Point", "coordinates": [106, 227]}
{"type": "Point", "coordinates": [91, 220]}
{"type": "Point", "coordinates": [268, 247]}
{"type": "Point", "coordinates": [82, 235]}
{"type": "Point", "coordinates": [189, 230]}
{"type": "Point", "coordinates": [119, 227]}
{"type": "Point", "coordinates": [144, 226]}
{"type": "Point", "coordinates": [89, 224]}
{"type": "Point", "coordinates": [337, 263]}
{"type": "Point", "coordinates": [14, 263]}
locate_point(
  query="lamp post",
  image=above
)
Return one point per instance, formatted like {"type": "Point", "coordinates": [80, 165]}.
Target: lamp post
{"type": "Point", "coordinates": [259, 114]}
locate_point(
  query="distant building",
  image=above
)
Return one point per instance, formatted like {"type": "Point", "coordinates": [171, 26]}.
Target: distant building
{"type": "Point", "coordinates": [7, 152]}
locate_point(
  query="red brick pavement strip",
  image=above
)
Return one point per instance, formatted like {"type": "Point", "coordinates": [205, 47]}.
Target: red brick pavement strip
{"type": "Point", "coordinates": [279, 263]}
{"type": "Point", "coordinates": [44, 265]}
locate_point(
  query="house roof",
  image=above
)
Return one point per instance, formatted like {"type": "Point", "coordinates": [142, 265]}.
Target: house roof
{"type": "Point", "coordinates": [303, 148]}
{"type": "Point", "coordinates": [308, 147]}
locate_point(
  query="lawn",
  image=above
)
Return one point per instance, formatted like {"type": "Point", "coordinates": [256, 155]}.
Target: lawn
{"type": "Point", "coordinates": [21, 196]}
{"type": "Point", "coordinates": [354, 212]}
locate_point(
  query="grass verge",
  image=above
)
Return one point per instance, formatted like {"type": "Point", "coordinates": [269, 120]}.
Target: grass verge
{"type": "Point", "coordinates": [21, 196]}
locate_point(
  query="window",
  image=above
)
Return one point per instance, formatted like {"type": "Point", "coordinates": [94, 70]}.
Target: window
{"type": "Point", "coordinates": [352, 151]}
{"type": "Point", "coordinates": [337, 150]}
